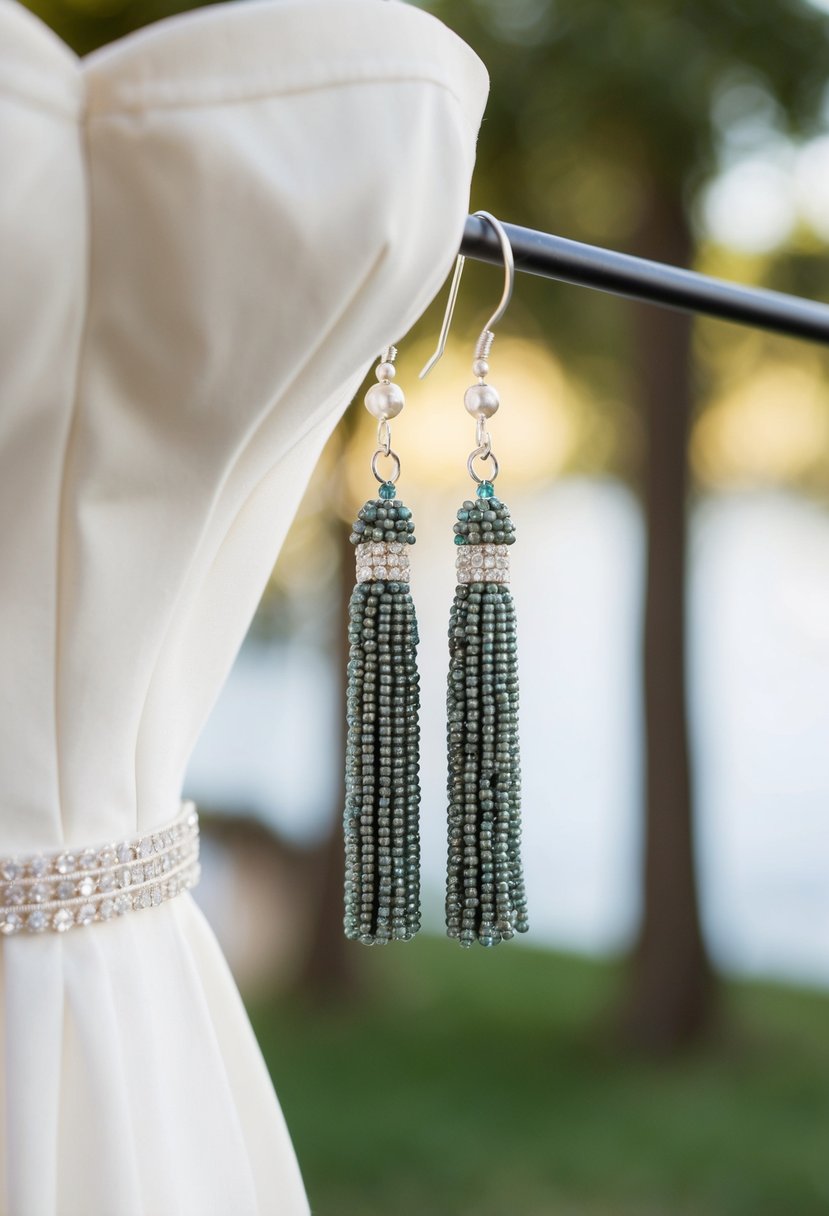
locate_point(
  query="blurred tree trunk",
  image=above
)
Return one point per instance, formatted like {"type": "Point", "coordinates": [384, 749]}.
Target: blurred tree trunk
{"type": "Point", "coordinates": [671, 990]}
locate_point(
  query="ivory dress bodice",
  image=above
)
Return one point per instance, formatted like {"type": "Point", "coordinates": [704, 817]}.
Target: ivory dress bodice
{"type": "Point", "coordinates": [207, 233]}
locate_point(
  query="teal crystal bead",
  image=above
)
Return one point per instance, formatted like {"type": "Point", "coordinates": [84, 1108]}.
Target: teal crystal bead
{"type": "Point", "coordinates": [387, 490]}
{"type": "Point", "coordinates": [485, 490]}
{"type": "Point", "coordinates": [460, 540]}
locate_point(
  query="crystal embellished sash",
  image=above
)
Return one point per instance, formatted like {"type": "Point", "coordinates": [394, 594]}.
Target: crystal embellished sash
{"type": "Point", "coordinates": [57, 891]}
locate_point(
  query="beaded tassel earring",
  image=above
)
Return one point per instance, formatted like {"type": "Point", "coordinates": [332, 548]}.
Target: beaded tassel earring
{"type": "Point", "coordinates": [382, 803]}
{"type": "Point", "coordinates": [485, 897]}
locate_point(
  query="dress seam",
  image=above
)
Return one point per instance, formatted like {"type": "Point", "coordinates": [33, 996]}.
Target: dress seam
{"type": "Point", "coordinates": [269, 88]}
{"type": "Point", "coordinates": [63, 495]}
{"type": "Point", "coordinates": [29, 98]}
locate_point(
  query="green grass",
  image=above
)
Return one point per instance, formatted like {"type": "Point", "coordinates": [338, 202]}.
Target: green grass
{"type": "Point", "coordinates": [472, 1084]}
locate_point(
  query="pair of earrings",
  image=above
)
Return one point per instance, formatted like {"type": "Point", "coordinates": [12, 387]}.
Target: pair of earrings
{"type": "Point", "coordinates": [485, 898]}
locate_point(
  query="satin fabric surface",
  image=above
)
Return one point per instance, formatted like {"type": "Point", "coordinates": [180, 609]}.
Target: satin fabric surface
{"type": "Point", "coordinates": [207, 233]}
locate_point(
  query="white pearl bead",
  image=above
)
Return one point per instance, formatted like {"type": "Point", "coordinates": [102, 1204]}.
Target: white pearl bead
{"type": "Point", "coordinates": [385, 371]}
{"type": "Point", "coordinates": [481, 400]}
{"type": "Point", "coordinates": [385, 400]}
{"type": "Point", "coordinates": [480, 367]}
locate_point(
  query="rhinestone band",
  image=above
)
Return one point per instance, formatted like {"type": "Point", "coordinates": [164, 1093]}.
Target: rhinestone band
{"type": "Point", "coordinates": [383, 559]}
{"type": "Point", "coordinates": [482, 564]}
{"type": "Point", "coordinates": [58, 891]}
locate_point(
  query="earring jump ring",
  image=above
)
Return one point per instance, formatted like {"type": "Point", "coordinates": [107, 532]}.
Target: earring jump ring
{"type": "Point", "coordinates": [392, 455]}
{"type": "Point", "coordinates": [485, 453]}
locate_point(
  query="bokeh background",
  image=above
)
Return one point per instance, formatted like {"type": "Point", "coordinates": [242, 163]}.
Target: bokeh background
{"type": "Point", "coordinates": [660, 1045]}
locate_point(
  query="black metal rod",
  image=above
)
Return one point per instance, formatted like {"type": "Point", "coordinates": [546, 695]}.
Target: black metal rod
{"type": "Point", "coordinates": [555, 257]}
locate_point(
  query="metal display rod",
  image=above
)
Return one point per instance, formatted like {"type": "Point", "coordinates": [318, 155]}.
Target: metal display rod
{"type": "Point", "coordinates": [554, 257]}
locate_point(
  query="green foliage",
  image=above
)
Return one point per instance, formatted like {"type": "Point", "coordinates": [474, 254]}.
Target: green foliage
{"type": "Point", "coordinates": [636, 83]}
{"type": "Point", "coordinates": [597, 108]}
{"type": "Point", "coordinates": [486, 1085]}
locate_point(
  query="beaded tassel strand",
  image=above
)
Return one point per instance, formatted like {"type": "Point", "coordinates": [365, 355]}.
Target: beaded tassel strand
{"type": "Point", "coordinates": [382, 804]}
{"type": "Point", "coordinates": [485, 897]}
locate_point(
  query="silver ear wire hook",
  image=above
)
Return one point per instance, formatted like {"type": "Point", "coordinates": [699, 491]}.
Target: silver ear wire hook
{"type": "Point", "coordinates": [485, 340]}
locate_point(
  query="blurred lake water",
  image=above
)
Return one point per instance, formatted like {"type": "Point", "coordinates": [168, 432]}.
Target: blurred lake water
{"type": "Point", "coordinates": [759, 675]}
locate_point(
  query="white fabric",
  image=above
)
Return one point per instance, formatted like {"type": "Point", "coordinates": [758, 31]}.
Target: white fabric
{"type": "Point", "coordinates": [207, 233]}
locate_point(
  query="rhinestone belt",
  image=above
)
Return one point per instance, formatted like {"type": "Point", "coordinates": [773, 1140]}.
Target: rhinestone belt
{"type": "Point", "coordinates": [57, 891]}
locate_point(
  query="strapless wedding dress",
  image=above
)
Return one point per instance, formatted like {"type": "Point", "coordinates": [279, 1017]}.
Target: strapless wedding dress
{"type": "Point", "coordinates": [208, 231]}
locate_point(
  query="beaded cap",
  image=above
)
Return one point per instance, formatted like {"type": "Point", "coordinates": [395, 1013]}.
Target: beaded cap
{"type": "Point", "coordinates": [486, 521]}
{"type": "Point", "coordinates": [383, 519]}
